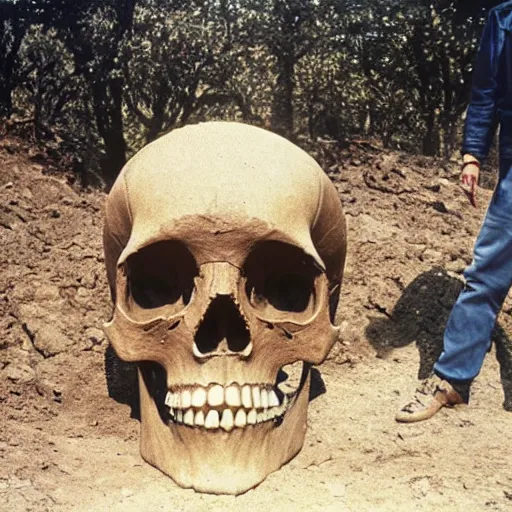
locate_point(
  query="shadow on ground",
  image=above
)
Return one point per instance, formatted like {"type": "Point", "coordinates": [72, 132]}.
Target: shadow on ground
{"type": "Point", "coordinates": [420, 316]}
{"type": "Point", "coordinates": [122, 382]}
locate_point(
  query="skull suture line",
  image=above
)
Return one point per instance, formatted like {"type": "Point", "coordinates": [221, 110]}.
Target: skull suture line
{"type": "Point", "coordinates": [224, 247]}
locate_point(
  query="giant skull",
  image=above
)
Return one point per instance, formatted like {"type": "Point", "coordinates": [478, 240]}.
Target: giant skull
{"type": "Point", "coordinates": [224, 247]}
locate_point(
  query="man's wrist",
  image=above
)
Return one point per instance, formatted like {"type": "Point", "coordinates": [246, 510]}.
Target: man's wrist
{"type": "Point", "coordinates": [467, 158]}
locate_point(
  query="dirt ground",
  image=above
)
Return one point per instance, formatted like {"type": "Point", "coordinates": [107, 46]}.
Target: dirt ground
{"type": "Point", "coordinates": [68, 423]}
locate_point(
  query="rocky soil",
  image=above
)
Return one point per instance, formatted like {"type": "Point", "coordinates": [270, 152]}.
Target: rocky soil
{"type": "Point", "coordinates": [68, 423]}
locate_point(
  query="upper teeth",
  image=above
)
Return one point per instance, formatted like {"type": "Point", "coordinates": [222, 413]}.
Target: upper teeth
{"type": "Point", "coordinates": [199, 397]}
{"type": "Point", "coordinates": [225, 407]}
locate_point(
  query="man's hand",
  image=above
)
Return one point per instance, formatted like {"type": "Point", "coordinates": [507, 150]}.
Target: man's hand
{"type": "Point", "coordinates": [469, 178]}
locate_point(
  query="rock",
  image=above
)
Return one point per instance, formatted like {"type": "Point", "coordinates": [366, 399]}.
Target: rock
{"type": "Point", "coordinates": [18, 211]}
{"type": "Point", "coordinates": [417, 239]}
{"type": "Point", "coordinates": [440, 206]}
{"type": "Point", "coordinates": [27, 193]}
{"type": "Point", "coordinates": [17, 483]}
{"type": "Point", "coordinates": [48, 380]}
{"type": "Point", "coordinates": [385, 181]}
{"type": "Point", "coordinates": [434, 188]}
{"type": "Point", "coordinates": [337, 488]}
{"type": "Point", "coordinates": [420, 486]}
{"type": "Point", "coordinates": [6, 221]}
{"type": "Point", "coordinates": [46, 292]}
{"type": "Point", "coordinates": [19, 373]}
{"type": "Point", "coordinates": [431, 256]}
{"type": "Point", "coordinates": [456, 266]}
{"type": "Point", "coordinates": [89, 282]}
{"type": "Point", "coordinates": [95, 335]}
{"type": "Point", "coordinates": [48, 339]}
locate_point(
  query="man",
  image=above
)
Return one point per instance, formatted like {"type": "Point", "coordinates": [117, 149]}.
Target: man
{"type": "Point", "coordinates": [468, 332]}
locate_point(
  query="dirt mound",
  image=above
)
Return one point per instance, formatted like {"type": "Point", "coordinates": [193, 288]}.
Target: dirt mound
{"type": "Point", "coordinates": [68, 429]}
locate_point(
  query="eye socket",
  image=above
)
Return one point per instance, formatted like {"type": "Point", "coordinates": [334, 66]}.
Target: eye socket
{"type": "Point", "coordinates": [152, 292]}
{"type": "Point", "coordinates": [161, 275]}
{"type": "Point", "coordinates": [285, 292]}
{"type": "Point", "coordinates": [280, 280]}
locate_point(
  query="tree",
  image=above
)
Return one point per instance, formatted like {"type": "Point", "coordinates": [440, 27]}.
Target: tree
{"type": "Point", "coordinates": [100, 78]}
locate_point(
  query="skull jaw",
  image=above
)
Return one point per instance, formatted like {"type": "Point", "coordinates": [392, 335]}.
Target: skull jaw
{"type": "Point", "coordinates": [220, 462]}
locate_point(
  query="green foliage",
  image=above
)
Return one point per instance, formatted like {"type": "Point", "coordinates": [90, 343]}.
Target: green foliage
{"type": "Point", "coordinates": [98, 79]}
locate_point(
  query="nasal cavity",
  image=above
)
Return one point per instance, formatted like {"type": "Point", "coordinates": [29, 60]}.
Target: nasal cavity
{"type": "Point", "coordinates": [223, 329]}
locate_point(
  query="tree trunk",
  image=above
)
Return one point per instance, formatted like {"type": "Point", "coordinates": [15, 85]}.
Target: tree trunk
{"type": "Point", "coordinates": [451, 128]}
{"type": "Point", "coordinates": [431, 137]}
{"type": "Point", "coordinates": [5, 98]}
{"type": "Point", "coordinates": [109, 118]}
{"type": "Point", "coordinates": [8, 57]}
{"type": "Point", "coordinates": [282, 108]}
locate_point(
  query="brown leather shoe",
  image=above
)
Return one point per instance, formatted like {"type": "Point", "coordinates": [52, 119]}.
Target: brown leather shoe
{"type": "Point", "coordinates": [432, 394]}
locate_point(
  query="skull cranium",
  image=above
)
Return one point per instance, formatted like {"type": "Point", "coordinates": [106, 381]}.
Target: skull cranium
{"type": "Point", "coordinates": [224, 248]}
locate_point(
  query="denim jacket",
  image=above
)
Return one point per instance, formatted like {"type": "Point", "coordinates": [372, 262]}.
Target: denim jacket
{"type": "Point", "coordinates": [491, 94]}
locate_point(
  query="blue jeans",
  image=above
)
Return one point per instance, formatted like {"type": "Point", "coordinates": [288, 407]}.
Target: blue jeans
{"type": "Point", "coordinates": [467, 336]}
